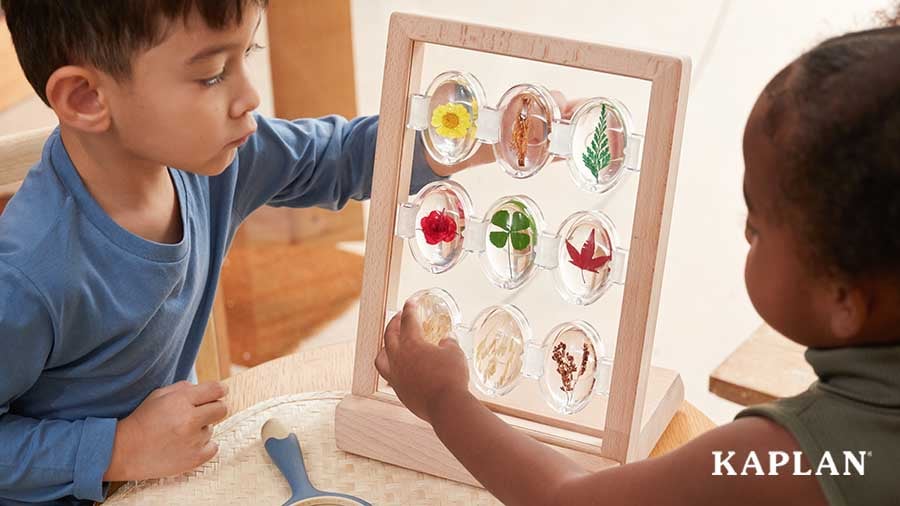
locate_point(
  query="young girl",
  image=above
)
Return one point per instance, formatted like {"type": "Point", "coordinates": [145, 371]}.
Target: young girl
{"type": "Point", "coordinates": [822, 187]}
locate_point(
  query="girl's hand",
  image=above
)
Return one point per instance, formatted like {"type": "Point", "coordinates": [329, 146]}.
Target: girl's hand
{"type": "Point", "coordinates": [421, 373]}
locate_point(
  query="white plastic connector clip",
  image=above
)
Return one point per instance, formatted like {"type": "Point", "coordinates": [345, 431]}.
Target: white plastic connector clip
{"type": "Point", "coordinates": [547, 251]}
{"type": "Point", "coordinates": [620, 266]}
{"type": "Point", "coordinates": [488, 130]}
{"type": "Point", "coordinates": [534, 361]}
{"type": "Point", "coordinates": [463, 336]}
{"type": "Point", "coordinates": [634, 152]}
{"type": "Point", "coordinates": [603, 376]}
{"type": "Point", "coordinates": [473, 236]}
{"type": "Point", "coordinates": [418, 112]}
{"type": "Point", "coordinates": [406, 220]}
{"type": "Point", "coordinates": [561, 139]}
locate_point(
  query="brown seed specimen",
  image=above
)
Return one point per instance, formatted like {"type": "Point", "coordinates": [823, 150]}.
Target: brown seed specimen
{"type": "Point", "coordinates": [520, 131]}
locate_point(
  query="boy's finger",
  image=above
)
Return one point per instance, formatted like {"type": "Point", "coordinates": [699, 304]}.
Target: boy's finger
{"type": "Point", "coordinates": [383, 365]}
{"type": "Point", "coordinates": [211, 412]}
{"type": "Point", "coordinates": [559, 98]}
{"type": "Point", "coordinates": [206, 433]}
{"type": "Point", "coordinates": [208, 452]}
{"type": "Point", "coordinates": [568, 107]}
{"type": "Point", "coordinates": [206, 392]}
{"type": "Point", "coordinates": [169, 389]}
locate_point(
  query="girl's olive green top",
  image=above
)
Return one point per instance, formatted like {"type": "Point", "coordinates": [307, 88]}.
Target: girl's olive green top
{"type": "Point", "coordinates": [854, 407]}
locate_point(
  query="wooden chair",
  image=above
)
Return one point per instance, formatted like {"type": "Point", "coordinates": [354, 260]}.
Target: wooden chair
{"type": "Point", "coordinates": [18, 153]}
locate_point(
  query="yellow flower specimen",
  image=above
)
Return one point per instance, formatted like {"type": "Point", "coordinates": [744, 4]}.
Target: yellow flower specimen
{"type": "Point", "coordinates": [451, 120]}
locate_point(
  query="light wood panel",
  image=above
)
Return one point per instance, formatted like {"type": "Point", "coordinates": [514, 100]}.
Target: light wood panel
{"type": "Point", "coordinates": [311, 48]}
{"type": "Point", "coordinates": [311, 56]}
{"type": "Point", "coordinates": [13, 85]}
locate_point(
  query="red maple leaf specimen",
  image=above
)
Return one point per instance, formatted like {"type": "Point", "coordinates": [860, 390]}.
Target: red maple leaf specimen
{"type": "Point", "coordinates": [438, 227]}
{"type": "Point", "coordinates": [584, 259]}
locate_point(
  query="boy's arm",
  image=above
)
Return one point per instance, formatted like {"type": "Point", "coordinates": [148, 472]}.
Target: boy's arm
{"type": "Point", "coordinates": [313, 163]}
{"type": "Point", "coordinates": [433, 382]}
{"type": "Point", "coordinates": [41, 460]}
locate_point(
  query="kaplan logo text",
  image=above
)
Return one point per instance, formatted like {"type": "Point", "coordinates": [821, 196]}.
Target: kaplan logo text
{"type": "Point", "coordinates": [847, 463]}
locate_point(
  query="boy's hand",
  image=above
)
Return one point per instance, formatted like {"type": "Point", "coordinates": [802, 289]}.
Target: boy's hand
{"type": "Point", "coordinates": [567, 107]}
{"type": "Point", "coordinates": [420, 373]}
{"type": "Point", "coordinates": [169, 433]}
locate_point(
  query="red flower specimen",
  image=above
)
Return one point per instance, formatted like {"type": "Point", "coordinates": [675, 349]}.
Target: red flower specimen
{"type": "Point", "coordinates": [438, 227]}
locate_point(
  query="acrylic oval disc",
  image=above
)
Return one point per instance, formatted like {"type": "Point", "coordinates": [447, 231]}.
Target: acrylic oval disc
{"type": "Point", "coordinates": [510, 241]}
{"type": "Point", "coordinates": [437, 312]}
{"type": "Point", "coordinates": [440, 223]}
{"type": "Point", "coordinates": [586, 256]}
{"type": "Point", "coordinates": [600, 129]}
{"type": "Point", "coordinates": [570, 366]}
{"type": "Point", "coordinates": [453, 117]}
{"type": "Point", "coordinates": [499, 337]}
{"type": "Point", "coordinates": [527, 114]}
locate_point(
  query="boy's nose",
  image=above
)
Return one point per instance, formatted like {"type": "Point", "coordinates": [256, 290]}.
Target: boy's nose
{"type": "Point", "coordinates": [247, 100]}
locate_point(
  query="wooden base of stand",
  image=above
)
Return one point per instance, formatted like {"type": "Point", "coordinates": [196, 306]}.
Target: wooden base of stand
{"type": "Point", "coordinates": [379, 427]}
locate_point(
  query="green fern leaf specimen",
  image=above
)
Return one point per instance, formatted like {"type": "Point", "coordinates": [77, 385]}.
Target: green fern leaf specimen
{"type": "Point", "coordinates": [597, 156]}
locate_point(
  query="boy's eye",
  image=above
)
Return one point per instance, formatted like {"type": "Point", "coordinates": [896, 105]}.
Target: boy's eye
{"type": "Point", "coordinates": [253, 48]}
{"type": "Point", "coordinates": [217, 79]}
{"type": "Point", "coordinates": [212, 81]}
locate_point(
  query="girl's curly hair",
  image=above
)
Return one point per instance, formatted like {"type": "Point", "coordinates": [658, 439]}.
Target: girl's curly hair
{"type": "Point", "coordinates": [834, 117]}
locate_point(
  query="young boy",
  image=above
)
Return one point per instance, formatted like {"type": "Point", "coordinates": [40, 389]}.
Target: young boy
{"type": "Point", "coordinates": [110, 251]}
{"type": "Point", "coordinates": [822, 180]}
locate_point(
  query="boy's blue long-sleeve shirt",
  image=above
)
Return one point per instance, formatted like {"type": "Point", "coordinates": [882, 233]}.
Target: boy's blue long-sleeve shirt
{"type": "Point", "coordinates": [94, 318]}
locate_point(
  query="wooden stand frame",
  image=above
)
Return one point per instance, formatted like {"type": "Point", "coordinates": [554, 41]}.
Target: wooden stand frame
{"type": "Point", "coordinates": [643, 399]}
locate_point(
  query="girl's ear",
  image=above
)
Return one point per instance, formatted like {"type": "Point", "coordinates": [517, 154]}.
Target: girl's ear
{"type": "Point", "coordinates": [75, 94]}
{"type": "Point", "coordinates": [850, 309]}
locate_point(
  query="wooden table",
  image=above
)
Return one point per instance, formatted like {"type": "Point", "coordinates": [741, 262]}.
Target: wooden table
{"type": "Point", "coordinates": [767, 366]}
{"type": "Point", "coordinates": [330, 368]}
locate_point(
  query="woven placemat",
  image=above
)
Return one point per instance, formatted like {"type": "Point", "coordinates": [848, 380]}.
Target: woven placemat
{"type": "Point", "coordinates": [242, 472]}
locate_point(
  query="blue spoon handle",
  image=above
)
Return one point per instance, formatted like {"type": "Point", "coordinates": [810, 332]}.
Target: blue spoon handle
{"type": "Point", "coordinates": [284, 449]}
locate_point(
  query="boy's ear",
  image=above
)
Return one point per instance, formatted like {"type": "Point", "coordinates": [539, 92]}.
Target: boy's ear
{"type": "Point", "coordinates": [850, 310]}
{"type": "Point", "coordinates": [75, 94]}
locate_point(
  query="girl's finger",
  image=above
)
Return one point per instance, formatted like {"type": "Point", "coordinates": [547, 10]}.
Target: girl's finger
{"type": "Point", "coordinates": [383, 365]}
{"type": "Point", "coordinates": [392, 333]}
{"type": "Point", "coordinates": [410, 327]}
{"type": "Point", "coordinates": [448, 342]}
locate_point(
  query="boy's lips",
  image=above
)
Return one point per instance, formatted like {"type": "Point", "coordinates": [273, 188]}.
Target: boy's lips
{"type": "Point", "coordinates": [241, 140]}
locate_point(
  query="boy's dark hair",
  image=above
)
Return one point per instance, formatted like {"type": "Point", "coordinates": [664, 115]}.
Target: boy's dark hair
{"type": "Point", "coordinates": [834, 115]}
{"type": "Point", "coordinates": [49, 34]}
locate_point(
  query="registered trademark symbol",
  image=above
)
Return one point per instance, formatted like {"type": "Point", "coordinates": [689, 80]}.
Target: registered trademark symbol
{"type": "Point", "coordinates": [868, 454]}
